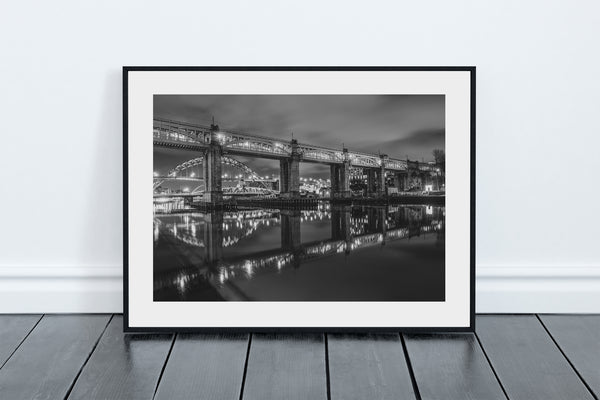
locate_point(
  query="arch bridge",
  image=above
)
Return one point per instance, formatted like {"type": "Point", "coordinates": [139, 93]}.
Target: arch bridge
{"type": "Point", "coordinates": [175, 174]}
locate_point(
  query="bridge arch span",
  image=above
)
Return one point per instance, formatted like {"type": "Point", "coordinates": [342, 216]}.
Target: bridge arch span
{"type": "Point", "coordinates": [199, 161]}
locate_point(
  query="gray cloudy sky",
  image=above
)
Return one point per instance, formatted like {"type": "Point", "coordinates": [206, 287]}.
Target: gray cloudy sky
{"type": "Point", "coordinates": [398, 125]}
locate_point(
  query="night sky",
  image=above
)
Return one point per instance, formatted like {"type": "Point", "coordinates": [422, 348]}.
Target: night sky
{"type": "Point", "coordinates": [398, 125]}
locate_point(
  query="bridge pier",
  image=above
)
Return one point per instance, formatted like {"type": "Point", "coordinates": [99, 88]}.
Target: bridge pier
{"type": "Point", "coordinates": [213, 180]}
{"type": "Point", "coordinates": [381, 176]}
{"type": "Point", "coordinates": [405, 181]}
{"type": "Point", "coordinates": [283, 176]}
{"type": "Point", "coordinates": [342, 175]}
{"type": "Point", "coordinates": [289, 172]}
{"type": "Point", "coordinates": [397, 181]}
{"type": "Point", "coordinates": [371, 186]}
{"type": "Point", "coordinates": [335, 179]}
{"type": "Point", "coordinates": [375, 181]}
{"type": "Point", "coordinates": [340, 180]}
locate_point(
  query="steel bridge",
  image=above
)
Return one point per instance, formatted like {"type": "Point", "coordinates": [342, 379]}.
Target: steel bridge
{"type": "Point", "coordinates": [215, 146]}
{"type": "Point", "coordinates": [174, 174]}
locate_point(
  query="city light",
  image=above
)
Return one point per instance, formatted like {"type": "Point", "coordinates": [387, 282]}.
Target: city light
{"type": "Point", "coordinates": [244, 224]}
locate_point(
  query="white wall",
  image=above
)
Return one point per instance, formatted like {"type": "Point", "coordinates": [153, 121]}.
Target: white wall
{"type": "Point", "coordinates": [538, 127]}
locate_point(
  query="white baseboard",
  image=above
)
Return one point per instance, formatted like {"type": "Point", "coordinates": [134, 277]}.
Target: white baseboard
{"type": "Point", "coordinates": [562, 289]}
{"type": "Point", "coordinates": [499, 289]}
{"type": "Point", "coordinates": [61, 289]}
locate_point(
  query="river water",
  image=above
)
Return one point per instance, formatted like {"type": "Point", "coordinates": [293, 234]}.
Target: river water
{"type": "Point", "coordinates": [333, 253]}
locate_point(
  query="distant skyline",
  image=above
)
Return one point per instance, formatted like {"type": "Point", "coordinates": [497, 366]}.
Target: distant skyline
{"type": "Point", "coordinates": [402, 126]}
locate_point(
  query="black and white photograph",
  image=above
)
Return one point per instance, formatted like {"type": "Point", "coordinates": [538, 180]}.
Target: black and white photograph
{"type": "Point", "coordinates": [299, 197]}
{"type": "Point", "coordinates": [293, 197]}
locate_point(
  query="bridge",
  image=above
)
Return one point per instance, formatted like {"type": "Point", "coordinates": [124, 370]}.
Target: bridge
{"type": "Point", "coordinates": [237, 190]}
{"type": "Point", "coordinates": [215, 146]}
{"type": "Point", "coordinates": [174, 174]}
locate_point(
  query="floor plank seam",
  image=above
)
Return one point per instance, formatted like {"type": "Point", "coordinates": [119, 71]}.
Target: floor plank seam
{"type": "Point", "coordinates": [567, 358]}
{"type": "Point", "coordinates": [327, 373]}
{"type": "Point", "coordinates": [162, 371]}
{"type": "Point", "coordinates": [21, 342]}
{"type": "Point", "coordinates": [246, 366]}
{"type": "Point", "coordinates": [88, 358]}
{"type": "Point", "coordinates": [411, 372]}
{"type": "Point", "coordinates": [491, 366]}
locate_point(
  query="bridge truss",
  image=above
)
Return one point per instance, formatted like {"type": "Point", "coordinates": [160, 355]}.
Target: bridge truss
{"type": "Point", "coordinates": [176, 134]}
{"type": "Point", "coordinates": [175, 174]}
{"type": "Point", "coordinates": [199, 161]}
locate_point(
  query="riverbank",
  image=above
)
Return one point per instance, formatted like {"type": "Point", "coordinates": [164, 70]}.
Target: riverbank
{"type": "Point", "coordinates": [312, 203]}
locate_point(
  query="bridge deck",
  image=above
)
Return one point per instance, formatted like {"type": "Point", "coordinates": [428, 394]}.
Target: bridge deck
{"type": "Point", "coordinates": [508, 357]}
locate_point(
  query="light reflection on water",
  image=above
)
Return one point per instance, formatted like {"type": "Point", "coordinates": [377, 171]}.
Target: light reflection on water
{"type": "Point", "coordinates": [339, 253]}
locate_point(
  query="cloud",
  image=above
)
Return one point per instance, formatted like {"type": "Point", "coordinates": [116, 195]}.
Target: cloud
{"type": "Point", "coordinates": [418, 144]}
{"type": "Point", "coordinates": [398, 125]}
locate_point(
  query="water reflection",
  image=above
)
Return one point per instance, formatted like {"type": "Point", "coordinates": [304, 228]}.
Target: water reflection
{"type": "Point", "coordinates": [340, 253]}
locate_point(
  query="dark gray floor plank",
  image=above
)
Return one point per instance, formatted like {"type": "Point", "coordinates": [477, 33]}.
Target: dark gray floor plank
{"type": "Point", "coordinates": [46, 364]}
{"type": "Point", "coordinates": [123, 366]}
{"type": "Point", "coordinates": [205, 366]}
{"type": "Point", "coordinates": [526, 360]}
{"type": "Point", "coordinates": [13, 329]}
{"type": "Point", "coordinates": [368, 366]}
{"type": "Point", "coordinates": [286, 366]}
{"type": "Point", "coordinates": [579, 338]}
{"type": "Point", "coordinates": [451, 366]}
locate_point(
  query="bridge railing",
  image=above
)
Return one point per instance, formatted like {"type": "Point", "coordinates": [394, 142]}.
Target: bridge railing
{"type": "Point", "coordinates": [396, 164]}
{"type": "Point", "coordinates": [322, 155]}
{"type": "Point", "coordinates": [254, 146]}
{"type": "Point", "coordinates": [165, 134]}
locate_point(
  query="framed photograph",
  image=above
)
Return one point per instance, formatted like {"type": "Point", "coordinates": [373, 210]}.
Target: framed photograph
{"type": "Point", "coordinates": [299, 198]}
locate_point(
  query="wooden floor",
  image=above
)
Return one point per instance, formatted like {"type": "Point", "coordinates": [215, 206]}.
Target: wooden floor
{"type": "Point", "coordinates": [511, 356]}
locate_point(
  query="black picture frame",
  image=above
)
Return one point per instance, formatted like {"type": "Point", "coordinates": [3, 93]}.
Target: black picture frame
{"type": "Point", "coordinates": [129, 329]}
